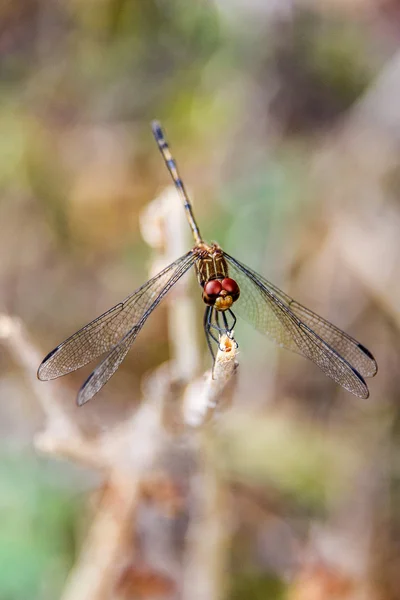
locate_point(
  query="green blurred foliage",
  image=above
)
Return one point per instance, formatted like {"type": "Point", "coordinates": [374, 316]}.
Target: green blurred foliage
{"type": "Point", "coordinates": [295, 458]}
{"type": "Point", "coordinates": [257, 586]}
{"type": "Point", "coordinates": [37, 531]}
{"type": "Point", "coordinates": [324, 65]}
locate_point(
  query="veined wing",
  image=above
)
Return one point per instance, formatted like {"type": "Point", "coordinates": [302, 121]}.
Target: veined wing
{"type": "Point", "coordinates": [355, 353]}
{"type": "Point", "coordinates": [106, 369]}
{"type": "Point", "coordinates": [122, 322]}
{"type": "Point", "coordinates": [294, 327]}
{"type": "Point", "coordinates": [114, 358]}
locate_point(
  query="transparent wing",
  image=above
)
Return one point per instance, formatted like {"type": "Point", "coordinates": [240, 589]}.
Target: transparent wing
{"type": "Point", "coordinates": [355, 353]}
{"type": "Point", "coordinates": [114, 358]}
{"type": "Point", "coordinates": [294, 327]}
{"type": "Point", "coordinates": [122, 321]}
{"type": "Point", "coordinates": [106, 369]}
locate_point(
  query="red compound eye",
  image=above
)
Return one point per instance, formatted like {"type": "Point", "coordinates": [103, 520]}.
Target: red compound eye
{"type": "Point", "coordinates": [212, 288]}
{"type": "Point", "coordinates": [230, 286]}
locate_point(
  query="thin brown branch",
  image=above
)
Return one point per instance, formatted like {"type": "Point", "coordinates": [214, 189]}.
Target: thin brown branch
{"type": "Point", "coordinates": [215, 389]}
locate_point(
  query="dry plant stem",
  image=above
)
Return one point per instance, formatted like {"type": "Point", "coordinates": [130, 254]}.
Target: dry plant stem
{"type": "Point", "coordinates": [371, 258]}
{"type": "Point", "coordinates": [75, 448]}
{"type": "Point", "coordinates": [49, 397]}
{"type": "Point", "coordinates": [205, 553]}
{"type": "Point", "coordinates": [207, 538]}
{"type": "Point", "coordinates": [376, 117]}
{"type": "Point", "coordinates": [204, 395]}
{"type": "Point", "coordinates": [61, 436]}
{"type": "Point", "coordinates": [379, 107]}
{"type": "Point", "coordinates": [224, 369]}
{"type": "Point", "coordinates": [94, 575]}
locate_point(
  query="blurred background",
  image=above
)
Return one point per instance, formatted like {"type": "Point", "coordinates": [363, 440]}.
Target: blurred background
{"type": "Point", "coordinates": [285, 120]}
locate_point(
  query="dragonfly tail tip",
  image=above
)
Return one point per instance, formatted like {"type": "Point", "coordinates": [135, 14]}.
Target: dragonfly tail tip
{"type": "Point", "coordinates": [156, 128]}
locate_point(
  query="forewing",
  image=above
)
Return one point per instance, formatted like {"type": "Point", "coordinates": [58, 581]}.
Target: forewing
{"type": "Point", "coordinates": [104, 332]}
{"type": "Point", "coordinates": [292, 326]}
{"type": "Point", "coordinates": [257, 307]}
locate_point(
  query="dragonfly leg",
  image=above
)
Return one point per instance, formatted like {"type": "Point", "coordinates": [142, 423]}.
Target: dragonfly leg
{"type": "Point", "coordinates": [232, 314]}
{"type": "Point", "coordinates": [217, 326]}
{"type": "Point", "coordinates": [210, 324]}
{"type": "Point", "coordinates": [226, 327]}
{"type": "Point", "coordinates": [207, 330]}
{"type": "Point", "coordinates": [216, 319]}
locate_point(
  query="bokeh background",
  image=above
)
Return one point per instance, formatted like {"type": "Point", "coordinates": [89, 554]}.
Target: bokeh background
{"type": "Point", "coordinates": [285, 119]}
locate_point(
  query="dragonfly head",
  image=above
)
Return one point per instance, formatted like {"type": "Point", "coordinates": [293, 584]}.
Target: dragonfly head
{"type": "Point", "coordinates": [221, 293]}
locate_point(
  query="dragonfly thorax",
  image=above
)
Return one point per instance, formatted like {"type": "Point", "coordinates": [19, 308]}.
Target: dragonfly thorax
{"type": "Point", "coordinates": [221, 293]}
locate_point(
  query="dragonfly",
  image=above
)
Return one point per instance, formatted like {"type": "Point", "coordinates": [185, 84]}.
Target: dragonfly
{"type": "Point", "coordinates": [228, 288]}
